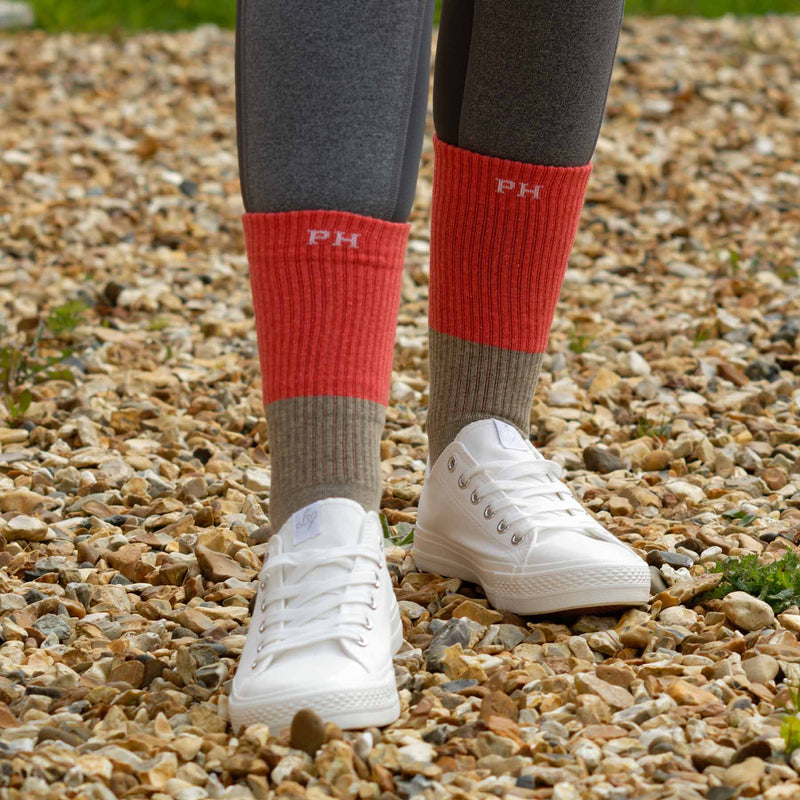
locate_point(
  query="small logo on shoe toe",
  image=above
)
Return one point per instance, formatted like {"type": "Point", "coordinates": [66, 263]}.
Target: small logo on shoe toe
{"type": "Point", "coordinates": [306, 523]}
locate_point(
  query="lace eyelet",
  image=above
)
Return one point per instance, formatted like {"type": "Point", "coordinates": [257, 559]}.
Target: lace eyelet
{"type": "Point", "coordinates": [461, 482]}
{"type": "Point", "coordinates": [502, 526]}
{"type": "Point", "coordinates": [254, 665]}
{"type": "Point", "coordinates": [517, 538]}
{"type": "Point", "coordinates": [377, 583]}
{"type": "Point", "coordinates": [261, 628]}
{"type": "Point", "coordinates": [488, 512]}
{"type": "Point", "coordinates": [262, 585]}
{"type": "Point", "coordinates": [368, 624]}
{"type": "Point", "coordinates": [362, 642]}
{"type": "Point", "coordinates": [260, 647]}
{"type": "Point", "coordinates": [473, 498]}
{"type": "Point", "coordinates": [264, 606]}
{"type": "Point", "coordinates": [373, 604]}
{"type": "Point", "coordinates": [451, 464]}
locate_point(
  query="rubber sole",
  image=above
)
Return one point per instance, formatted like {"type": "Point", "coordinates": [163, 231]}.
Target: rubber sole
{"type": "Point", "coordinates": [598, 586]}
{"type": "Point", "coordinates": [363, 707]}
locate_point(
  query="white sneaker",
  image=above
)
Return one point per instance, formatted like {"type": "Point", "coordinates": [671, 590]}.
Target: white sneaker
{"type": "Point", "coordinates": [493, 511]}
{"type": "Point", "coordinates": [325, 625]}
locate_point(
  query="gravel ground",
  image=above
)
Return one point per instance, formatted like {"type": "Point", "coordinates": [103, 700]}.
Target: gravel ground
{"type": "Point", "coordinates": [133, 491]}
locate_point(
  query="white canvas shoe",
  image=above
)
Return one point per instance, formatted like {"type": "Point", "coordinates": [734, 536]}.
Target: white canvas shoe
{"type": "Point", "coordinates": [325, 624]}
{"type": "Point", "coordinates": [493, 511]}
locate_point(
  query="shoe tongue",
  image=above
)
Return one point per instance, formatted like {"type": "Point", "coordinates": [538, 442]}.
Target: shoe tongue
{"type": "Point", "coordinates": [496, 440]}
{"type": "Point", "coordinates": [322, 525]}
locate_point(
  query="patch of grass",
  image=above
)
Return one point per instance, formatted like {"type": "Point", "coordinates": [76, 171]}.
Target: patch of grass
{"type": "Point", "coordinates": [790, 723]}
{"type": "Point", "coordinates": [21, 366]}
{"type": "Point", "coordinates": [102, 16]}
{"type": "Point", "coordinates": [110, 15]}
{"type": "Point", "coordinates": [404, 532]}
{"type": "Point", "coordinates": [578, 342]}
{"type": "Point", "coordinates": [646, 428]}
{"type": "Point", "coordinates": [777, 583]}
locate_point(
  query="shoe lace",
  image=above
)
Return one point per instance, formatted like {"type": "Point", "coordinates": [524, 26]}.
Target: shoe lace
{"type": "Point", "coordinates": [303, 611]}
{"type": "Point", "coordinates": [530, 497]}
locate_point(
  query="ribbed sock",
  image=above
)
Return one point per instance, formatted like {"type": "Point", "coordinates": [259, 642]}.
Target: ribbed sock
{"type": "Point", "coordinates": [501, 235]}
{"type": "Point", "coordinates": [326, 290]}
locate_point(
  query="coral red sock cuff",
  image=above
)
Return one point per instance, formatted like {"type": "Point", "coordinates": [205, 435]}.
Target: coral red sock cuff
{"type": "Point", "coordinates": [501, 235]}
{"type": "Point", "coordinates": [326, 289]}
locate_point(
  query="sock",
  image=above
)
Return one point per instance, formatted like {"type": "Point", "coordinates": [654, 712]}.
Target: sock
{"type": "Point", "coordinates": [326, 291]}
{"type": "Point", "coordinates": [501, 235]}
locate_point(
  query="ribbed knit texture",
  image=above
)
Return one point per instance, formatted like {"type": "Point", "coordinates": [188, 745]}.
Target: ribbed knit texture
{"type": "Point", "coordinates": [323, 447]}
{"type": "Point", "coordinates": [501, 235]}
{"type": "Point", "coordinates": [498, 259]}
{"type": "Point", "coordinates": [326, 290]}
{"type": "Point", "coordinates": [470, 381]}
{"type": "Point", "coordinates": [325, 313]}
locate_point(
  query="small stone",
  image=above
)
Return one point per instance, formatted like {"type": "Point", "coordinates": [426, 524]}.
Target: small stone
{"type": "Point", "coordinates": [620, 506]}
{"type": "Point", "coordinates": [498, 704]}
{"type": "Point", "coordinates": [130, 672]}
{"type": "Point", "coordinates": [25, 528]}
{"type": "Point", "coordinates": [684, 490]}
{"type": "Point", "coordinates": [656, 460]}
{"type": "Point", "coordinates": [599, 459]}
{"type": "Point", "coordinates": [307, 731]}
{"type": "Point", "coordinates": [53, 624]}
{"type": "Point", "coordinates": [761, 668]}
{"type": "Point", "coordinates": [477, 612]}
{"type": "Point", "coordinates": [615, 696]}
{"type": "Point", "coordinates": [687, 694]}
{"type": "Point", "coordinates": [749, 771]}
{"type": "Point", "coordinates": [747, 612]}
{"type": "Point", "coordinates": [774, 478]}
{"type": "Point", "coordinates": [219, 567]}
{"type": "Point", "coordinates": [657, 558]}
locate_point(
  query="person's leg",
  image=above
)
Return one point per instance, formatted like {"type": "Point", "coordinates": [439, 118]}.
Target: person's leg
{"type": "Point", "coordinates": [331, 101]}
{"type": "Point", "coordinates": [519, 93]}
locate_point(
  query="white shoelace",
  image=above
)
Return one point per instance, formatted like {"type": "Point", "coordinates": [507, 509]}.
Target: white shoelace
{"type": "Point", "coordinates": [529, 496]}
{"type": "Point", "coordinates": [302, 611]}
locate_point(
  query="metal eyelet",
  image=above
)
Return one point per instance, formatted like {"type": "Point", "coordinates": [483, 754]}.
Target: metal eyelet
{"type": "Point", "coordinates": [502, 526]}
{"type": "Point", "coordinates": [264, 605]}
{"type": "Point", "coordinates": [488, 513]}
{"type": "Point", "coordinates": [517, 538]}
{"type": "Point", "coordinates": [261, 628]}
{"type": "Point", "coordinates": [451, 463]}
{"type": "Point", "coordinates": [377, 583]}
{"type": "Point", "coordinates": [254, 665]}
{"type": "Point", "coordinates": [473, 498]}
{"type": "Point", "coordinates": [260, 647]}
{"type": "Point", "coordinates": [362, 642]}
{"type": "Point", "coordinates": [262, 585]}
{"type": "Point", "coordinates": [368, 624]}
{"type": "Point", "coordinates": [373, 604]}
{"type": "Point", "coordinates": [461, 482]}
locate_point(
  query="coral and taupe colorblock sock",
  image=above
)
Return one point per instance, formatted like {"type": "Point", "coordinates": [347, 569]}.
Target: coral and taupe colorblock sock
{"type": "Point", "coordinates": [326, 290]}
{"type": "Point", "coordinates": [501, 235]}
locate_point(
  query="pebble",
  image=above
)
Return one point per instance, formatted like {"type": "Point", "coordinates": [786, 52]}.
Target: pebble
{"type": "Point", "coordinates": [747, 612]}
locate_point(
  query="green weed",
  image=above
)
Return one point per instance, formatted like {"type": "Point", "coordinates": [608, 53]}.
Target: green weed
{"type": "Point", "coordinates": [21, 366]}
{"type": "Point", "coordinates": [790, 723]}
{"type": "Point", "coordinates": [777, 583]}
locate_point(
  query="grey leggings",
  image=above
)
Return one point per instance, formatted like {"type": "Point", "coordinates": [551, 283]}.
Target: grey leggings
{"type": "Point", "coordinates": [331, 95]}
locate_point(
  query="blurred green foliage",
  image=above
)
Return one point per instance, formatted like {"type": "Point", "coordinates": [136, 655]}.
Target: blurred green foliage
{"type": "Point", "coordinates": [109, 15]}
